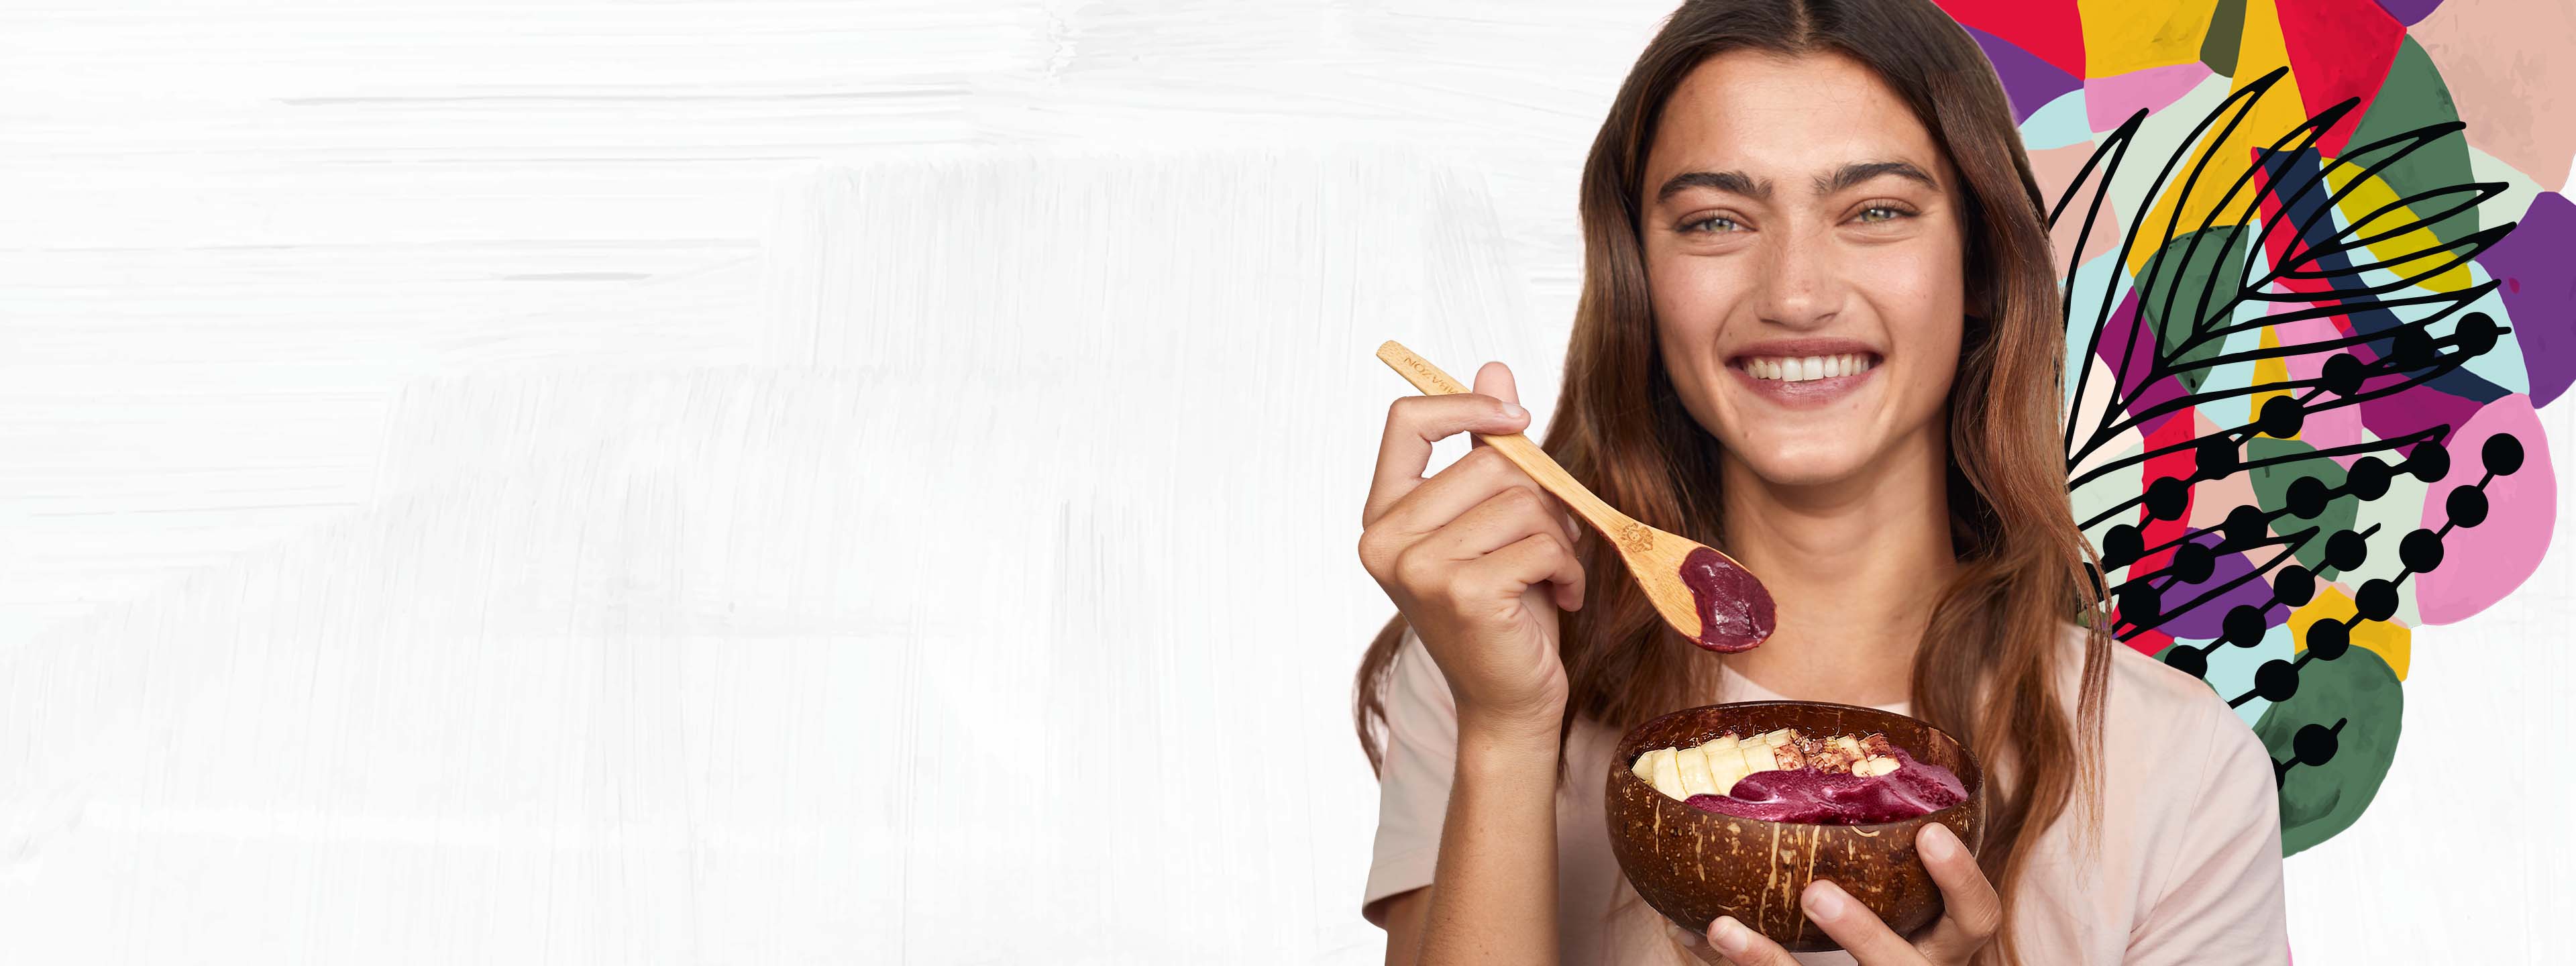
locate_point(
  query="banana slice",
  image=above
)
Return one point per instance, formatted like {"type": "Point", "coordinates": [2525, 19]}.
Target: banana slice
{"type": "Point", "coordinates": [1758, 757]}
{"type": "Point", "coordinates": [1694, 771]}
{"type": "Point", "coordinates": [1668, 772]}
{"type": "Point", "coordinates": [1725, 763]}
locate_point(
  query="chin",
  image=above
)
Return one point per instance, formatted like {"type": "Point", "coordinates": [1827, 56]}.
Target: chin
{"type": "Point", "coordinates": [1803, 465]}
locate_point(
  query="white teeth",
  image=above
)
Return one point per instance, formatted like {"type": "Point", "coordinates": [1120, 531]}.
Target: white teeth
{"type": "Point", "coordinates": [1803, 368]}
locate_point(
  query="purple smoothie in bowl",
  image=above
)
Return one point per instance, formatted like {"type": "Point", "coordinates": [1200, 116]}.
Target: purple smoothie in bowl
{"type": "Point", "coordinates": [1810, 796]}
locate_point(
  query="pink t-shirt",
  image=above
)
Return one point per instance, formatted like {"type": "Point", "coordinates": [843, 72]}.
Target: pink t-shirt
{"type": "Point", "coordinates": [2187, 869]}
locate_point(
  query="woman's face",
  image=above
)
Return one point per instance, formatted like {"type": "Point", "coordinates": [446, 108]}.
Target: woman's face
{"type": "Point", "coordinates": [1804, 247]}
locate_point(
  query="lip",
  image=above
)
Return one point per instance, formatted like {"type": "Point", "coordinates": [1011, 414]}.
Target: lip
{"type": "Point", "coordinates": [1811, 393]}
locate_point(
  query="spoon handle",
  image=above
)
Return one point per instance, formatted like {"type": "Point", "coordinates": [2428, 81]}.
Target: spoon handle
{"type": "Point", "coordinates": [1514, 446]}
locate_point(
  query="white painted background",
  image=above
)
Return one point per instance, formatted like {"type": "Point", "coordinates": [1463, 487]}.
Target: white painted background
{"type": "Point", "coordinates": [732, 483]}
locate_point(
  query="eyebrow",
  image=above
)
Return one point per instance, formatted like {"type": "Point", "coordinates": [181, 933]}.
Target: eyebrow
{"type": "Point", "coordinates": [1843, 177]}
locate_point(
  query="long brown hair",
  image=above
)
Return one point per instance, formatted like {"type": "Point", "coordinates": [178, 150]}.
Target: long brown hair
{"type": "Point", "coordinates": [1991, 652]}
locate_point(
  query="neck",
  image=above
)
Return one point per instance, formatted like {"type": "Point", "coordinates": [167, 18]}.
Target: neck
{"type": "Point", "coordinates": [1855, 566]}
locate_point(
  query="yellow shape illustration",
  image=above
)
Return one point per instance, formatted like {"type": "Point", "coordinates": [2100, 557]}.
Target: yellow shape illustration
{"type": "Point", "coordinates": [2391, 642]}
{"type": "Point", "coordinates": [2125, 35]}
{"type": "Point", "coordinates": [2271, 372]}
{"type": "Point", "coordinates": [2400, 250]}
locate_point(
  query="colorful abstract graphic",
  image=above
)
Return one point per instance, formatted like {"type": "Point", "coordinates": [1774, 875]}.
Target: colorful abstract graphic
{"type": "Point", "coordinates": [2316, 263]}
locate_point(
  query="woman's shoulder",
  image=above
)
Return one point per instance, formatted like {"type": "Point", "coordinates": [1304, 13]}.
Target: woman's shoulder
{"type": "Point", "coordinates": [2155, 716]}
{"type": "Point", "coordinates": [2141, 680]}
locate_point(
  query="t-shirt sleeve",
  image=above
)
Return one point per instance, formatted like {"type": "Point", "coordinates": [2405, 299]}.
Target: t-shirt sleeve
{"type": "Point", "coordinates": [1413, 780]}
{"type": "Point", "coordinates": [2222, 900]}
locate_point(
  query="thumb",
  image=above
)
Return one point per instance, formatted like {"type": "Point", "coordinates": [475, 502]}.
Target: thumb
{"type": "Point", "coordinates": [1495, 380]}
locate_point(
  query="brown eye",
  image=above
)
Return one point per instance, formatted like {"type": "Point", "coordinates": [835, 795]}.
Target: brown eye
{"type": "Point", "coordinates": [1890, 212]}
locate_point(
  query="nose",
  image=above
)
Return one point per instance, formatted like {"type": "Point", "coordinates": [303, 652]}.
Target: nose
{"type": "Point", "coordinates": [1802, 286]}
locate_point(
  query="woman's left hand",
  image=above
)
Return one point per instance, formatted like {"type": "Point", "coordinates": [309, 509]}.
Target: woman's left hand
{"type": "Point", "coordinates": [1970, 914]}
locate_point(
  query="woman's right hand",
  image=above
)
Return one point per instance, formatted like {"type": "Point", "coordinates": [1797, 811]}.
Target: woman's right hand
{"type": "Point", "coordinates": [1478, 558]}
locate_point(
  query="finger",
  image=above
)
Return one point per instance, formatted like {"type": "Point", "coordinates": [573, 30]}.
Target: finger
{"type": "Point", "coordinates": [1521, 516]}
{"type": "Point", "coordinates": [1539, 557]}
{"type": "Point", "coordinates": [1495, 379]}
{"type": "Point", "coordinates": [1744, 947]}
{"type": "Point", "coordinates": [1413, 423]}
{"type": "Point", "coordinates": [1858, 930]}
{"type": "Point", "coordinates": [1970, 911]}
{"type": "Point", "coordinates": [1461, 487]}
{"type": "Point", "coordinates": [1498, 521]}
{"type": "Point", "coordinates": [1692, 943]}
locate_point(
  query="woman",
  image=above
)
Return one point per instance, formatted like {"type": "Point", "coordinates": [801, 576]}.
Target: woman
{"type": "Point", "coordinates": [1787, 190]}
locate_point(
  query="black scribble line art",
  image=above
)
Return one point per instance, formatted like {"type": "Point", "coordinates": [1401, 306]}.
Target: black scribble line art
{"type": "Point", "coordinates": [2159, 366]}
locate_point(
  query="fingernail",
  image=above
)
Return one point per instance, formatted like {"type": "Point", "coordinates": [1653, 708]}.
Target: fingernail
{"type": "Point", "coordinates": [1824, 901]}
{"type": "Point", "coordinates": [1514, 410]}
{"type": "Point", "coordinates": [1732, 938]}
{"type": "Point", "coordinates": [1939, 843]}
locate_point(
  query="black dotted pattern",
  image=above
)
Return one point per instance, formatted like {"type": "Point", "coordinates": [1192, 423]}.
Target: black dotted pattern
{"type": "Point", "coordinates": [2376, 600]}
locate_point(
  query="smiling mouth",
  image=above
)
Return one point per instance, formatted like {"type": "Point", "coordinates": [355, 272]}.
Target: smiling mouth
{"type": "Point", "coordinates": [1807, 368]}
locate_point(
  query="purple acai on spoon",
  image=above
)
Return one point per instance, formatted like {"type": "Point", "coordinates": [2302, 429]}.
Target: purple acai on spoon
{"type": "Point", "coordinates": [1735, 611]}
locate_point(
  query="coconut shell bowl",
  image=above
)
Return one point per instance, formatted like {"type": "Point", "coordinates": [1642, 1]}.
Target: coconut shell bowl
{"type": "Point", "coordinates": [1694, 866]}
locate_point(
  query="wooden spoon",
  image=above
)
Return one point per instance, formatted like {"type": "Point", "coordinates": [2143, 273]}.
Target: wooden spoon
{"type": "Point", "coordinates": [1701, 592]}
